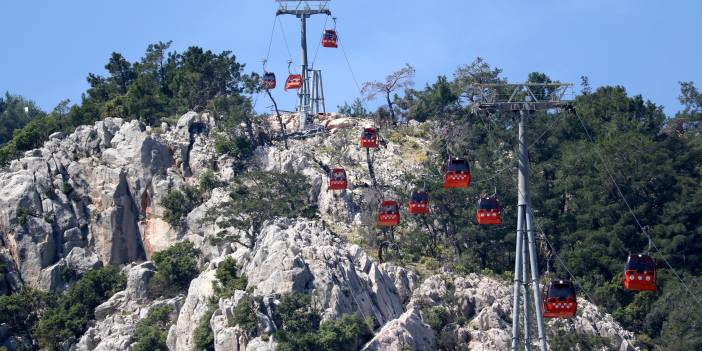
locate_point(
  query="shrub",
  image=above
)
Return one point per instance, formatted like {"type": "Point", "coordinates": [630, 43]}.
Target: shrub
{"type": "Point", "coordinates": [75, 308]}
{"type": "Point", "coordinates": [229, 279]}
{"type": "Point", "coordinates": [437, 318]}
{"type": "Point", "coordinates": [301, 328]}
{"type": "Point", "coordinates": [21, 311]}
{"type": "Point", "coordinates": [203, 336]}
{"type": "Point", "coordinates": [245, 316]}
{"type": "Point", "coordinates": [175, 268]}
{"type": "Point", "coordinates": [151, 332]}
{"type": "Point", "coordinates": [347, 333]}
{"type": "Point", "coordinates": [178, 204]}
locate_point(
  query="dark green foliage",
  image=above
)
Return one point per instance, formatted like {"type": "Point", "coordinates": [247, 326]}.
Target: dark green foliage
{"type": "Point", "coordinates": [245, 316]}
{"type": "Point", "coordinates": [356, 109]}
{"type": "Point", "coordinates": [13, 115]}
{"type": "Point", "coordinates": [176, 266]}
{"type": "Point", "coordinates": [203, 336]}
{"type": "Point", "coordinates": [228, 278]}
{"type": "Point", "coordinates": [21, 310]}
{"type": "Point", "coordinates": [76, 307]}
{"type": "Point", "coordinates": [655, 161]}
{"type": "Point", "coordinates": [347, 333]}
{"type": "Point", "coordinates": [257, 196]}
{"type": "Point", "coordinates": [178, 204]}
{"type": "Point", "coordinates": [209, 181]}
{"type": "Point", "coordinates": [152, 331]}
{"type": "Point", "coordinates": [437, 317]}
{"type": "Point", "coordinates": [159, 85]}
{"type": "Point", "coordinates": [302, 330]}
{"type": "Point", "coordinates": [563, 340]}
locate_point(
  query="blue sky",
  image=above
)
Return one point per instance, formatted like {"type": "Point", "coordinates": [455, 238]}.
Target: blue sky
{"type": "Point", "coordinates": [49, 47]}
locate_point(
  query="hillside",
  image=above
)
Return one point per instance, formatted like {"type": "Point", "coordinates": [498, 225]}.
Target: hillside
{"type": "Point", "coordinates": [93, 198]}
{"type": "Point", "coordinates": [129, 221]}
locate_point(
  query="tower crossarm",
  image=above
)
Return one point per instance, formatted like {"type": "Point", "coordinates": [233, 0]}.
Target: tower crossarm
{"type": "Point", "coordinates": [495, 97]}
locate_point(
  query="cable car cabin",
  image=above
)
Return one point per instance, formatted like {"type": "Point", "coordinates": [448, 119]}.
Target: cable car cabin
{"type": "Point", "coordinates": [369, 138]}
{"type": "Point", "coordinates": [457, 173]}
{"type": "Point", "coordinates": [559, 300]}
{"type": "Point", "coordinates": [268, 81]}
{"type": "Point", "coordinates": [329, 39]}
{"type": "Point", "coordinates": [419, 203]}
{"type": "Point", "coordinates": [337, 179]}
{"type": "Point", "coordinates": [388, 214]}
{"type": "Point", "coordinates": [294, 82]}
{"type": "Point", "coordinates": [489, 211]}
{"type": "Point", "coordinates": [640, 273]}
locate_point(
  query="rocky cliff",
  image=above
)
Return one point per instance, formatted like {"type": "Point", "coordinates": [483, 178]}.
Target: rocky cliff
{"type": "Point", "coordinates": [93, 197]}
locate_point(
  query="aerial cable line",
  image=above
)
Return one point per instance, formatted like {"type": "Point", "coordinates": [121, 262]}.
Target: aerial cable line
{"type": "Point", "coordinates": [270, 41]}
{"type": "Point", "coordinates": [531, 208]}
{"type": "Point", "coordinates": [631, 211]}
{"type": "Point", "coordinates": [353, 75]}
{"type": "Point", "coordinates": [492, 135]}
{"type": "Point", "coordinates": [285, 39]}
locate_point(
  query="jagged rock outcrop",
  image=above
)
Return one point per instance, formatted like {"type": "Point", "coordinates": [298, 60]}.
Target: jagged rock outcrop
{"type": "Point", "coordinates": [92, 198]}
{"type": "Point", "coordinates": [98, 189]}
{"type": "Point", "coordinates": [117, 318]}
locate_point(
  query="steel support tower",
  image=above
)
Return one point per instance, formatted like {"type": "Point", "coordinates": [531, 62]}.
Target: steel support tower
{"type": "Point", "coordinates": [522, 100]}
{"type": "Point", "coordinates": [304, 9]}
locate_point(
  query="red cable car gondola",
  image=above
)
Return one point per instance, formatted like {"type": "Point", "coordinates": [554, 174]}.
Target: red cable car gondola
{"type": "Point", "coordinates": [388, 214]}
{"type": "Point", "coordinates": [419, 203]}
{"type": "Point", "coordinates": [559, 300]}
{"type": "Point", "coordinates": [294, 82]}
{"type": "Point", "coordinates": [337, 179]}
{"type": "Point", "coordinates": [369, 138]}
{"type": "Point", "coordinates": [489, 211]}
{"type": "Point", "coordinates": [330, 38]}
{"type": "Point", "coordinates": [640, 273]}
{"type": "Point", "coordinates": [457, 173]}
{"type": "Point", "coordinates": [268, 81]}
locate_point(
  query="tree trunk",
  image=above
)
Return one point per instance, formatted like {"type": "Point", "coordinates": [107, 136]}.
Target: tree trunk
{"type": "Point", "coordinates": [390, 109]}
{"type": "Point", "coordinates": [280, 120]}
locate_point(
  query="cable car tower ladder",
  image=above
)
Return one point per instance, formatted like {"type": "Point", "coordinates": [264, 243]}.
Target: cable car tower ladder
{"type": "Point", "coordinates": [523, 100]}
{"type": "Point", "coordinates": [310, 94]}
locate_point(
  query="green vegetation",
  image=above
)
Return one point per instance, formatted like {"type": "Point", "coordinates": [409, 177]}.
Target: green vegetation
{"type": "Point", "coordinates": [654, 159]}
{"type": "Point", "coordinates": [22, 310]}
{"type": "Point", "coordinates": [176, 266]}
{"type": "Point", "coordinates": [257, 196]}
{"type": "Point", "coordinates": [356, 109]}
{"type": "Point", "coordinates": [228, 278]}
{"type": "Point", "coordinates": [75, 308]}
{"type": "Point", "coordinates": [203, 336]}
{"type": "Point", "coordinates": [160, 85]}
{"type": "Point", "coordinates": [15, 113]}
{"type": "Point", "coordinates": [228, 281]}
{"type": "Point", "coordinates": [245, 316]}
{"type": "Point", "coordinates": [302, 330]}
{"type": "Point", "coordinates": [177, 204]}
{"type": "Point", "coordinates": [152, 331]}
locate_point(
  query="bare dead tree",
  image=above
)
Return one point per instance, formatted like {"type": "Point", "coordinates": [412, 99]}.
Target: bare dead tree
{"type": "Point", "coordinates": [280, 119]}
{"type": "Point", "coordinates": [395, 81]}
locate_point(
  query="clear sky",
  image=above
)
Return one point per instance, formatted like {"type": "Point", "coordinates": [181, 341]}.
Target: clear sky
{"type": "Point", "coordinates": [648, 46]}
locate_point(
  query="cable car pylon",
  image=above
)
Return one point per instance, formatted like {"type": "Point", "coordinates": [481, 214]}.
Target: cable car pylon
{"type": "Point", "coordinates": [521, 100]}
{"type": "Point", "coordinates": [304, 9]}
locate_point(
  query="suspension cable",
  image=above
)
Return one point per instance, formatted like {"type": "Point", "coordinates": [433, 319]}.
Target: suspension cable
{"type": "Point", "coordinates": [353, 75]}
{"type": "Point", "coordinates": [285, 39]}
{"type": "Point", "coordinates": [631, 211]}
{"type": "Point", "coordinates": [319, 42]}
{"type": "Point", "coordinates": [270, 41]}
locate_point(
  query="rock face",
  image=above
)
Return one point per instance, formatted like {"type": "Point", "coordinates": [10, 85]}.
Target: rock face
{"type": "Point", "coordinates": [97, 189]}
{"type": "Point", "coordinates": [92, 198]}
{"type": "Point", "coordinates": [116, 319]}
